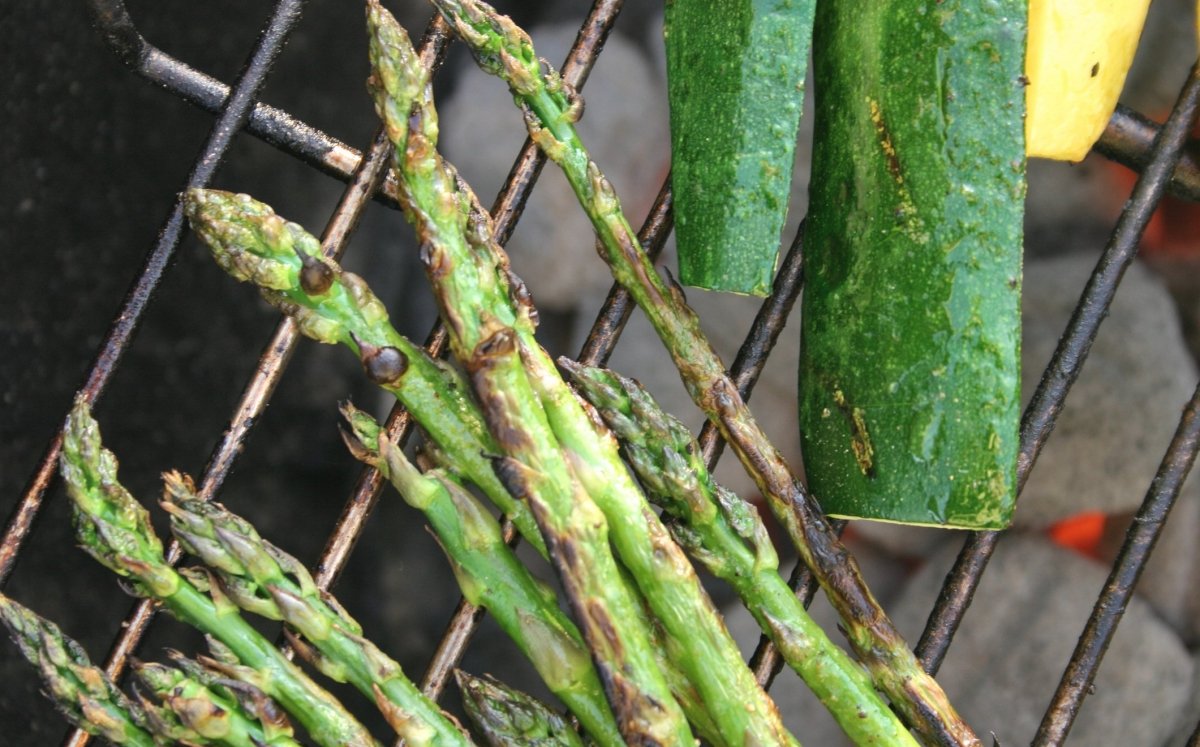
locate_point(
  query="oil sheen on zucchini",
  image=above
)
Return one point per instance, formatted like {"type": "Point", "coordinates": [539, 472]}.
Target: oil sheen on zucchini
{"type": "Point", "coordinates": [909, 371]}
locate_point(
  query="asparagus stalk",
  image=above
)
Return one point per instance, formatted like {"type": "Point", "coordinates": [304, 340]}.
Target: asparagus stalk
{"type": "Point", "coordinates": [252, 243]}
{"type": "Point", "coordinates": [509, 718]}
{"type": "Point", "coordinates": [83, 693]}
{"type": "Point", "coordinates": [115, 530]}
{"type": "Point", "coordinates": [194, 704]}
{"type": "Point", "coordinates": [550, 110]}
{"type": "Point", "coordinates": [491, 323]}
{"type": "Point", "coordinates": [263, 579]}
{"type": "Point", "coordinates": [491, 576]}
{"type": "Point", "coordinates": [726, 535]}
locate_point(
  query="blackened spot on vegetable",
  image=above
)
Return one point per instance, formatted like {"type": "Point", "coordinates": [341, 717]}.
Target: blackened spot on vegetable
{"type": "Point", "coordinates": [384, 365]}
{"type": "Point", "coordinates": [501, 342]}
{"type": "Point", "coordinates": [316, 277]}
{"type": "Point", "coordinates": [1095, 69]}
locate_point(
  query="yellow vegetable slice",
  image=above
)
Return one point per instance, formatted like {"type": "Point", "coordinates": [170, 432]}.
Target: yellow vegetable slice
{"type": "Point", "coordinates": [1077, 56]}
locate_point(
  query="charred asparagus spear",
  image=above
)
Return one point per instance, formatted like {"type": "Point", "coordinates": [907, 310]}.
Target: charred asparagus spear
{"type": "Point", "coordinates": [82, 692]}
{"type": "Point", "coordinates": [490, 320]}
{"type": "Point", "coordinates": [509, 718]}
{"type": "Point", "coordinates": [115, 530]}
{"type": "Point", "coordinates": [491, 576]}
{"type": "Point", "coordinates": [252, 243]}
{"type": "Point", "coordinates": [195, 704]}
{"type": "Point", "coordinates": [263, 579]}
{"type": "Point", "coordinates": [726, 535]}
{"type": "Point", "coordinates": [550, 109]}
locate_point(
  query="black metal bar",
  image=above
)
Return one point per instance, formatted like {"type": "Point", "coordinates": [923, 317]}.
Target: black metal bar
{"type": "Point", "coordinates": [1064, 367]}
{"type": "Point", "coordinates": [1128, 139]}
{"type": "Point", "coordinates": [1101, 626]}
{"type": "Point", "coordinates": [124, 326]}
{"type": "Point", "coordinates": [271, 125]}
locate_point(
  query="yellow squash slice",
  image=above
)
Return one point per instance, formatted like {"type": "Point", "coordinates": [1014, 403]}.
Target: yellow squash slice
{"type": "Point", "coordinates": [1077, 56]}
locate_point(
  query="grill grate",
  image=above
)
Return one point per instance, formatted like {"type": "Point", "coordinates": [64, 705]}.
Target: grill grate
{"type": "Point", "coordinates": [1130, 139]}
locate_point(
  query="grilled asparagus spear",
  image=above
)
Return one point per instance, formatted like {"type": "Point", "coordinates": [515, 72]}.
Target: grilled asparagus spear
{"type": "Point", "coordinates": [263, 579]}
{"type": "Point", "coordinates": [253, 244]}
{"type": "Point", "coordinates": [195, 704]}
{"type": "Point", "coordinates": [115, 530]}
{"type": "Point", "coordinates": [82, 691]}
{"type": "Point", "coordinates": [508, 718]}
{"type": "Point", "coordinates": [491, 576]}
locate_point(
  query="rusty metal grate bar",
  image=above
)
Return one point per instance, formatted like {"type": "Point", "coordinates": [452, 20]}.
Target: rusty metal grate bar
{"type": "Point", "coordinates": [1129, 139]}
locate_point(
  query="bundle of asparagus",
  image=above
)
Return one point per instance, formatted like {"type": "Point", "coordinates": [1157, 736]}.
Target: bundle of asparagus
{"type": "Point", "coordinates": [189, 703]}
{"type": "Point", "coordinates": [649, 640]}
{"type": "Point", "coordinates": [555, 456]}
{"type": "Point", "coordinates": [115, 530]}
{"type": "Point", "coordinates": [254, 244]}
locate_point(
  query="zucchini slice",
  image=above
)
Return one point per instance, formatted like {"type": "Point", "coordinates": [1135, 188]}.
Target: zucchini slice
{"type": "Point", "coordinates": [910, 339]}
{"type": "Point", "coordinates": [735, 82]}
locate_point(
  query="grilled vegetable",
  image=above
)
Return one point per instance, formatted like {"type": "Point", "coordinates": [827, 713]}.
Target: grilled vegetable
{"type": "Point", "coordinates": [490, 575]}
{"type": "Point", "coordinates": [201, 703]}
{"type": "Point", "coordinates": [1078, 54]}
{"type": "Point", "coordinates": [509, 717]}
{"type": "Point", "coordinates": [726, 536]}
{"type": "Point", "coordinates": [115, 530]}
{"type": "Point", "coordinates": [909, 371]}
{"type": "Point", "coordinates": [81, 691]}
{"type": "Point", "coordinates": [735, 77]}
{"type": "Point", "coordinates": [555, 455]}
{"type": "Point", "coordinates": [261, 578]}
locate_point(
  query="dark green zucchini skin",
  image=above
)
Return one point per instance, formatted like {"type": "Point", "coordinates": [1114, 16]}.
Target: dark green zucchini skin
{"type": "Point", "coordinates": [910, 352]}
{"type": "Point", "coordinates": [735, 80]}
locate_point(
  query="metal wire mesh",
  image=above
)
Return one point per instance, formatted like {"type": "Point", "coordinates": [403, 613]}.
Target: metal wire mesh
{"type": "Point", "coordinates": [1157, 153]}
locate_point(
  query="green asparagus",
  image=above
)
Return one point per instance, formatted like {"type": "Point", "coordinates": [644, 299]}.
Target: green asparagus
{"type": "Point", "coordinates": [509, 718]}
{"type": "Point", "coordinates": [263, 579]}
{"type": "Point", "coordinates": [491, 576]}
{"type": "Point", "coordinates": [491, 331]}
{"type": "Point", "coordinates": [82, 691]}
{"type": "Point", "coordinates": [329, 305]}
{"type": "Point", "coordinates": [194, 704]}
{"type": "Point", "coordinates": [726, 535]}
{"type": "Point", "coordinates": [249, 239]}
{"type": "Point", "coordinates": [550, 109]}
{"type": "Point", "coordinates": [115, 530]}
